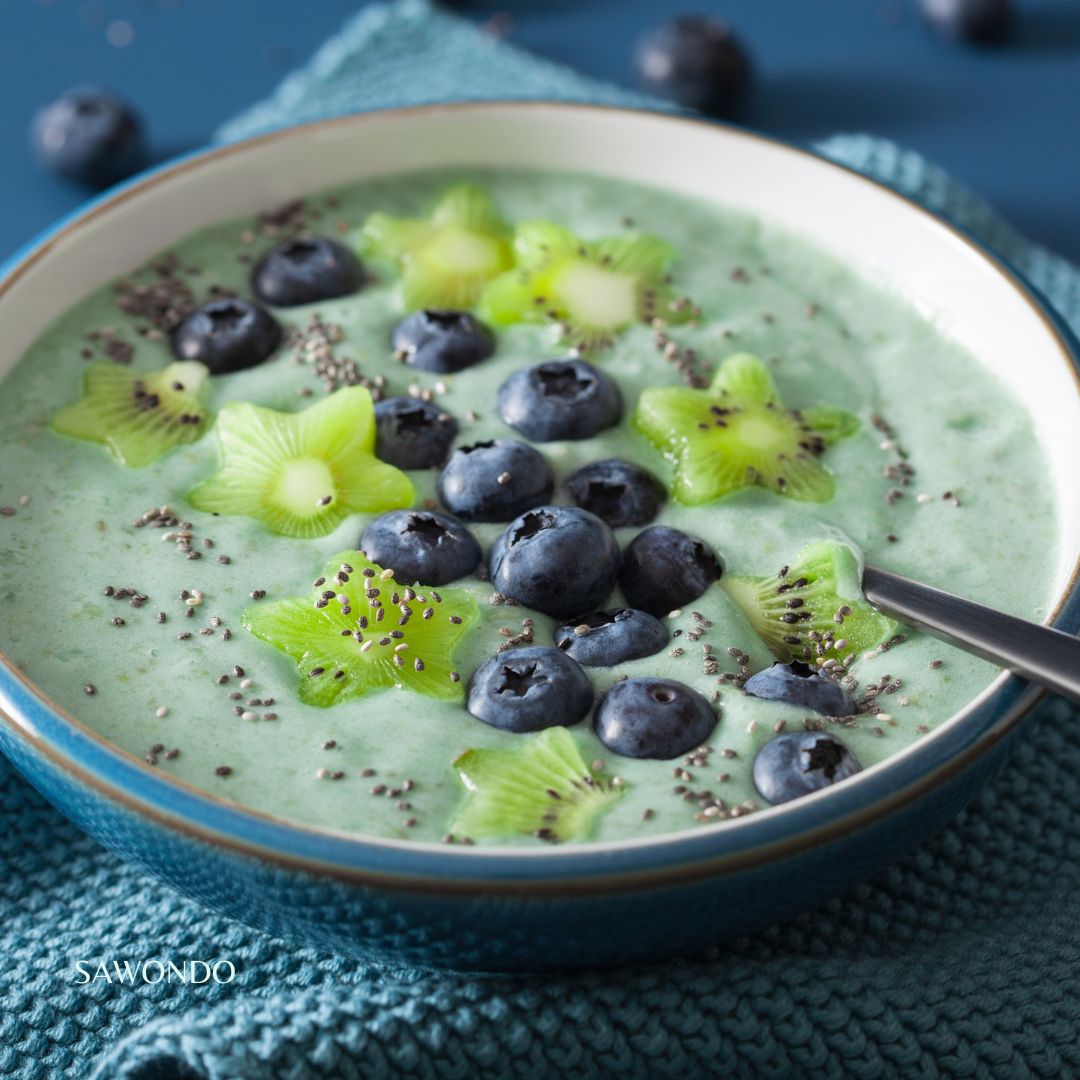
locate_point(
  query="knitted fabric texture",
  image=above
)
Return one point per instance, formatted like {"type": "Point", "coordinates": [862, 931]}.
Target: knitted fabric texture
{"type": "Point", "coordinates": [960, 961]}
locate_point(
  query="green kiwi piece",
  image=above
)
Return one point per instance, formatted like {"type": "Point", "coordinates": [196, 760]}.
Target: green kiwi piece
{"type": "Point", "coordinates": [812, 610]}
{"type": "Point", "coordinates": [445, 259]}
{"type": "Point", "coordinates": [138, 415]}
{"type": "Point", "coordinates": [588, 291]}
{"type": "Point", "coordinates": [360, 630]}
{"type": "Point", "coordinates": [302, 474]}
{"type": "Point", "coordinates": [540, 788]}
{"type": "Point", "coordinates": [738, 434]}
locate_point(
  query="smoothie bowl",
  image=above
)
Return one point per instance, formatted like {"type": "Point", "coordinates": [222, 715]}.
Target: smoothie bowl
{"type": "Point", "coordinates": [437, 533]}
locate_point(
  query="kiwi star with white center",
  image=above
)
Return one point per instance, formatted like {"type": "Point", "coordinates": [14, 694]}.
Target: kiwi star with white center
{"type": "Point", "coordinates": [301, 474]}
{"type": "Point", "coordinates": [448, 257]}
{"type": "Point", "coordinates": [359, 630]}
{"type": "Point", "coordinates": [589, 291]}
{"type": "Point", "coordinates": [138, 415]}
{"type": "Point", "coordinates": [541, 787]}
{"type": "Point", "coordinates": [739, 434]}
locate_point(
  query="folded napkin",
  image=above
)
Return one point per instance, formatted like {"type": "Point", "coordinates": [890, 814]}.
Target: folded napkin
{"type": "Point", "coordinates": [960, 961]}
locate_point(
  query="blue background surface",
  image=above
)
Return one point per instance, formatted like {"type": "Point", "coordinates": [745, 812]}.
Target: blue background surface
{"type": "Point", "coordinates": [1004, 120]}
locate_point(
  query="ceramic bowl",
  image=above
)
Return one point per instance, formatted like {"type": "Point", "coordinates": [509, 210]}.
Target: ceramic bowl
{"type": "Point", "coordinates": [513, 908]}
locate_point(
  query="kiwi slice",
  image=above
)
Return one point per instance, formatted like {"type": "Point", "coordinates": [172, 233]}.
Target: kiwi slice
{"type": "Point", "coordinates": [813, 610]}
{"type": "Point", "coordinates": [301, 474]}
{"type": "Point", "coordinates": [588, 291]}
{"type": "Point", "coordinates": [138, 415]}
{"type": "Point", "coordinates": [360, 630]}
{"type": "Point", "coordinates": [447, 258]}
{"type": "Point", "coordinates": [738, 434]}
{"type": "Point", "coordinates": [540, 788]}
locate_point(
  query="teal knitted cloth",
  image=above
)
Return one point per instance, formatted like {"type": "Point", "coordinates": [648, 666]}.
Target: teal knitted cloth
{"type": "Point", "coordinates": [961, 961]}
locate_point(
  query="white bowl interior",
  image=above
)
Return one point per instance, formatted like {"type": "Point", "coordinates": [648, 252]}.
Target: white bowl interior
{"type": "Point", "coordinates": [864, 225]}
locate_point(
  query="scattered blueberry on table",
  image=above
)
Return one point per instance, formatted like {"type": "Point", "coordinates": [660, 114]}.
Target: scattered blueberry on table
{"type": "Point", "coordinates": [980, 21]}
{"type": "Point", "coordinates": [696, 61]}
{"type": "Point", "coordinates": [89, 136]}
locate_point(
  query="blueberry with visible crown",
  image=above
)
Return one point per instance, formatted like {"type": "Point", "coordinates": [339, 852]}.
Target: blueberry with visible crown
{"type": "Point", "coordinates": [444, 341]}
{"type": "Point", "coordinates": [653, 718]}
{"type": "Point", "coordinates": [606, 638]}
{"type": "Point", "coordinates": [696, 61]}
{"type": "Point", "coordinates": [559, 399]}
{"type": "Point", "coordinates": [664, 568]}
{"type": "Point", "coordinates": [226, 335]}
{"type": "Point", "coordinates": [798, 684]}
{"type": "Point", "coordinates": [557, 559]}
{"type": "Point", "coordinates": [618, 491]}
{"type": "Point", "coordinates": [413, 434]}
{"type": "Point", "coordinates": [89, 136]}
{"type": "Point", "coordinates": [421, 546]}
{"type": "Point", "coordinates": [495, 481]}
{"type": "Point", "coordinates": [305, 270]}
{"type": "Point", "coordinates": [529, 689]}
{"type": "Point", "coordinates": [801, 762]}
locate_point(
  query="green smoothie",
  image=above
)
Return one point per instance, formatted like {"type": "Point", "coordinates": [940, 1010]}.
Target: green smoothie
{"type": "Point", "coordinates": [943, 481]}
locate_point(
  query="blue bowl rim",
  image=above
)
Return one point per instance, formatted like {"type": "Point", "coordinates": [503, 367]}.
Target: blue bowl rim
{"type": "Point", "coordinates": [706, 851]}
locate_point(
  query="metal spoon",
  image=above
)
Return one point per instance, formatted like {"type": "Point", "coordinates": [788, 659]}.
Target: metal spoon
{"type": "Point", "coordinates": [1040, 654]}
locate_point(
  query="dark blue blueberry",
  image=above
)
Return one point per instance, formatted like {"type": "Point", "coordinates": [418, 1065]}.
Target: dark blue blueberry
{"type": "Point", "coordinates": [606, 638]}
{"type": "Point", "coordinates": [495, 481]}
{"type": "Point", "coordinates": [557, 559]}
{"type": "Point", "coordinates": [530, 689]}
{"type": "Point", "coordinates": [413, 434]}
{"type": "Point", "coordinates": [653, 718]}
{"type": "Point", "coordinates": [421, 546]}
{"type": "Point", "coordinates": [971, 20]}
{"type": "Point", "coordinates": [89, 136]}
{"type": "Point", "coordinates": [618, 491]}
{"type": "Point", "coordinates": [664, 568]}
{"type": "Point", "coordinates": [305, 270]}
{"type": "Point", "coordinates": [696, 61]}
{"type": "Point", "coordinates": [437, 340]}
{"type": "Point", "coordinates": [800, 763]}
{"type": "Point", "coordinates": [559, 399]}
{"type": "Point", "coordinates": [800, 685]}
{"type": "Point", "coordinates": [227, 335]}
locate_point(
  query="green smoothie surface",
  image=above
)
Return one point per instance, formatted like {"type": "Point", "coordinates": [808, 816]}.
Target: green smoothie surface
{"type": "Point", "coordinates": [976, 517]}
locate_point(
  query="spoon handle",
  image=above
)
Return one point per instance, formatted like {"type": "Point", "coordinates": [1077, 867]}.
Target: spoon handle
{"type": "Point", "coordinates": [1045, 656]}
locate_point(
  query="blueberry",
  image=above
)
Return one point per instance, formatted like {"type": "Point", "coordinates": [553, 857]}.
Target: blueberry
{"type": "Point", "coordinates": [971, 20]}
{"type": "Point", "coordinates": [437, 340]}
{"type": "Point", "coordinates": [618, 491]}
{"type": "Point", "coordinates": [495, 481]}
{"type": "Point", "coordinates": [664, 568]}
{"type": "Point", "coordinates": [557, 559]}
{"type": "Point", "coordinates": [529, 689]}
{"type": "Point", "coordinates": [227, 335]}
{"type": "Point", "coordinates": [89, 136]}
{"type": "Point", "coordinates": [800, 763]}
{"type": "Point", "coordinates": [606, 638]}
{"type": "Point", "coordinates": [697, 62]}
{"type": "Point", "coordinates": [413, 434]}
{"type": "Point", "coordinates": [421, 545]}
{"type": "Point", "coordinates": [305, 270]}
{"type": "Point", "coordinates": [559, 399]}
{"type": "Point", "coordinates": [800, 685]}
{"type": "Point", "coordinates": [653, 718]}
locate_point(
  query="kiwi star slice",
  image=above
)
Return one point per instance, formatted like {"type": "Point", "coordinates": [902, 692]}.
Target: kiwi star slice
{"type": "Point", "coordinates": [360, 630]}
{"type": "Point", "coordinates": [738, 434]}
{"type": "Point", "coordinates": [138, 415]}
{"type": "Point", "coordinates": [589, 291]}
{"type": "Point", "coordinates": [446, 258]}
{"type": "Point", "coordinates": [814, 609]}
{"type": "Point", "coordinates": [542, 787]}
{"type": "Point", "coordinates": [301, 474]}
